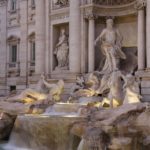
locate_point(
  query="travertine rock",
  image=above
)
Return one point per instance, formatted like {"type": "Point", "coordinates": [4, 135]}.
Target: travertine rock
{"type": "Point", "coordinates": [6, 125]}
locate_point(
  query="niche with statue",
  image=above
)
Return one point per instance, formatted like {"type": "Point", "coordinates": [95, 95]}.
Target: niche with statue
{"type": "Point", "coordinates": [61, 47]}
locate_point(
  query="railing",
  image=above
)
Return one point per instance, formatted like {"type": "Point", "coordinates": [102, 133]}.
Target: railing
{"type": "Point", "coordinates": [13, 69]}
{"type": "Point", "coordinates": [31, 68]}
{"type": "Point", "coordinates": [108, 2]}
{"type": "Point", "coordinates": [32, 63]}
{"type": "Point", "coordinates": [13, 65]}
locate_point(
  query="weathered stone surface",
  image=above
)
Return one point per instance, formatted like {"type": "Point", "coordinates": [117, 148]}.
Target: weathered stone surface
{"type": "Point", "coordinates": [6, 125]}
{"type": "Point", "coordinates": [122, 126]}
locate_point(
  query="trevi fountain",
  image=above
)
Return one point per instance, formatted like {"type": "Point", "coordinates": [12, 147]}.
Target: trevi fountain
{"type": "Point", "coordinates": [104, 110]}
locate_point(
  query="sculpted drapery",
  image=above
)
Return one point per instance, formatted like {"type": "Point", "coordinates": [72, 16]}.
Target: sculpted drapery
{"type": "Point", "coordinates": [110, 42]}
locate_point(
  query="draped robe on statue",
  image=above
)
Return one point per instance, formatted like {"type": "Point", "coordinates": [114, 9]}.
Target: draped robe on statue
{"type": "Point", "coordinates": [111, 49]}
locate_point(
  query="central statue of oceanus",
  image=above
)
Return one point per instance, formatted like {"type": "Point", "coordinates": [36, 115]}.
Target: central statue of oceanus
{"type": "Point", "coordinates": [110, 42]}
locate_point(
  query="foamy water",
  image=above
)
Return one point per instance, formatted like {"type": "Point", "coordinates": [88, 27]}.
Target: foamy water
{"type": "Point", "coordinates": [12, 147]}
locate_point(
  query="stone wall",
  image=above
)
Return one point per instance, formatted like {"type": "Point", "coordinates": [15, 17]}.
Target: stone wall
{"type": "Point", "coordinates": [83, 23]}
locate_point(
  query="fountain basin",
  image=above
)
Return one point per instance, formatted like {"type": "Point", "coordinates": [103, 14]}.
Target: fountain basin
{"type": "Point", "coordinates": [66, 107]}
{"type": "Point", "coordinates": [42, 132]}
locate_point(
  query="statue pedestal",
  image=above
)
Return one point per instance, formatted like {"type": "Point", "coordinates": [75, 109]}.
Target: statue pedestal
{"type": "Point", "coordinates": [63, 74]}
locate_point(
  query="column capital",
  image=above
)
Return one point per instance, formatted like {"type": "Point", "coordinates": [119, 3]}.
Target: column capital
{"type": "Point", "coordinates": [140, 4]}
{"type": "Point", "coordinates": [90, 16]}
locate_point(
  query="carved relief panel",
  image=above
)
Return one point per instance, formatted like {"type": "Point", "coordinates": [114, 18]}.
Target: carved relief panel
{"type": "Point", "coordinates": [57, 4]}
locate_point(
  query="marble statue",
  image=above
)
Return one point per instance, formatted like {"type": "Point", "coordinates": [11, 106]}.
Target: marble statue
{"type": "Point", "coordinates": [31, 95]}
{"type": "Point", "coordinates": [111, 42]}
{"type": "Point", "coordinates": [132, 91]}
{"type": "Point", "coordinates": [112, 85]}
{"type": "Point", "coordinates": [55, 90]}
{"type": "Point", "coordinates": [62, 51]}
{"type": "Point", "coordinates": [80, 84]}
{"type": "Point", "coordinates": [115, 85]}
{"type": "Point", "coordinates": [88, 88]}
{"type": "Point", "coordinates": [43, 91]}
{"type": "Point", "coordinates": [92, 81]}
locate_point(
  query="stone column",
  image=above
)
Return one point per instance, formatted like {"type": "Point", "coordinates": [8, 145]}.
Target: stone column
{"type": "Point", "coordinates": [148, 33]}
{"type": "Point", "coordinates": [74, 37]}
{"type": "Point", "coordinates": [91, 48]}
{"type": "Point", "coordinates": [23, 49]}
{"type": "Point", "coordinates": [84, 44]}
{"type": "Point", "coordinates": [47, 41]}
{"type": "Point", "coordinates": [40, 37]}
{"type": "Point", "coordinates": [3, 47]}
{"type": "Point", "coordinates": [141, 39]}
{"type": "Point", "coordinates": [3, 39]}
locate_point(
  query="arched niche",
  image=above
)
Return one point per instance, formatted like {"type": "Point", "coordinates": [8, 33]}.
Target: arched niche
{"type": "Point", "coordinates": [124, 13]}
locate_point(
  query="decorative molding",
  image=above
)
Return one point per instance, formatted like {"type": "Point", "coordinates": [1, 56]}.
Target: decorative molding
{"type": "Point", "coordinates": [59, 16]}
{"type": "Point", "coordinates": [104, 11]}
{"type": "Point", "coordinates": [140, 4]}
{"type": "Point", "coordinates": [3, 2]}
{"type": "Point", "coordinates": [90, 13]}
{"type": "Point", "coordinates": [108, 2]}
{"type": "Point", "coordinates": [13, 38]}
{"type": "Point", "coordinates": [58, 4]}
{"type": "Point", "coordinates": [91, 16]}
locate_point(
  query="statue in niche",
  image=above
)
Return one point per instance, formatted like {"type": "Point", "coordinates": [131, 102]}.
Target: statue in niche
{"type": "Point", "coordinates": [111, 42]}
{"type": "Point", "coordinates": [62, 51]}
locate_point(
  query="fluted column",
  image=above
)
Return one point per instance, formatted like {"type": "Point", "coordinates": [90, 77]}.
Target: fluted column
{"type": "Point", "coordinates": [40, 37]}
{"type": "Point", "coordinates": [141, 39]}
{"type": "Point", "coordinates": [91, 49]}
{"type": "Point", "coordinates": [75, 37]}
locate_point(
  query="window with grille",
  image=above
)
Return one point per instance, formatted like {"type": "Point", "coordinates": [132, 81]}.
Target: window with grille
{"type": "Point", "coordinates": [33, 3]}
{"type": "Point", "coordinates": [32, 52]}
{"type": "Point", "coordinates": [13, 5]}
{"type": "Point", "coordinates": [13, 53]}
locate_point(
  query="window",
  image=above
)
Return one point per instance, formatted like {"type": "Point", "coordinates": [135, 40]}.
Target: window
{"type": "Point", "coordinates": [12, 88]}
{"type": "Point", "coordinates": [13, 53]}
{"type": "Point", "coordinates": [33, 51]}
{"type": "Point", "coordinates": [13, 5]}
{"type": "Point", "coordinates": [33, 3]}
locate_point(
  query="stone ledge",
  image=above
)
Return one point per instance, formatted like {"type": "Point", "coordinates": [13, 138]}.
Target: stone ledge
{"type": "Point", "coordinates": [144, 74]}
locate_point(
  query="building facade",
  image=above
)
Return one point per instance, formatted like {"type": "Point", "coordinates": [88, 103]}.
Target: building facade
{"type": "Point", "coordinates": [57, 37]}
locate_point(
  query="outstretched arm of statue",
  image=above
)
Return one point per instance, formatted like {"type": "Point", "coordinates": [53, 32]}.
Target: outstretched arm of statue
{"type": "Point", "coordinates": [47, 84]}
{"type": "Point", "coordinates": [100, 37]}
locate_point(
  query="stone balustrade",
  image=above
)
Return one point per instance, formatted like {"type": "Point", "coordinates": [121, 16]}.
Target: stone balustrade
{"type": "Point", "coordinates": [59, 4]}
{"type": "Point", "coordinates": [13, 69]}
{"type": "Point", "coordinates": [107, 2]}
